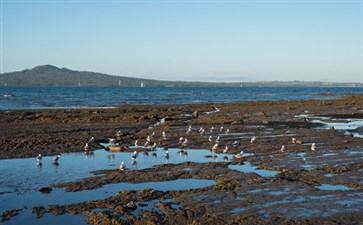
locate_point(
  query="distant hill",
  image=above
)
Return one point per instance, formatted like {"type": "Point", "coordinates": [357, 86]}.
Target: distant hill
{"type": "Point", "coordinates": [48, 75]}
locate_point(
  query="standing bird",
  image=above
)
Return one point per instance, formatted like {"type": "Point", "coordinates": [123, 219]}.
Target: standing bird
{"type": "Point", "coordinates": [122, 166]}
{"type": "Point", "coordinates": [86, 147]}
{"type": "Point", "coordinates": [189, 129]}
{"type": "Point", "coordinates": [91, 140]}
{"type": "Point", "coordinates": [210, 138]}
{"type": "Point", "coordinates": [215, 147]}
{"type": "Point", "coordinates": [282, 148]}
{"type": "Point", "coordinates": [238, 155]}
{"type": "Point", "coordinates": [166, 155]}
{"type": "Point", "coordinates": [313, 147]}
{"type": "Point", "coordinates": [136, 143]}
{"type": "Point", "coordinates": [153, 147]}
{"type": "Point", "coordinates": [39, 158]}
{"type": "Point", "coordinates": [293, 140]}
{"type": "Point", "coordinates": [235, 143]}
{"type": "Point", "coordinates": [202, 132]}
{"type": "Point", "coordinates": [227, 131]}
{"type": "Point", "coordinates": [253, 139]}
{"type": "Point", "coordinates": [225, 150]}
{"type": "Point", "coordinates": [185, 142]}
{"type": "Point", "coordinates": [164, 135]}
{"type": "Point", "coordinates": [56, 158]}
{"type": "Point", "coordinates": [181, 140]}
{"type": "Point", "coordinates": [134, 156]}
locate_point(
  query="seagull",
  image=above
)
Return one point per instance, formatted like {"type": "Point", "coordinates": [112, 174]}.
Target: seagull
{"type": "Point", "coordinates": [134, 155]}
{"type": "Point", "coordinates": [235, 143]}
{"type": "Point", "coordinates": [146, 145]}
{"type": "Point", "coordinates": [313, 148]}
{"type": "Point", "coordinates": [111, 140]}
{"type": "Point", "coordinates": [282, 148]}
{"type": "Point", "coordinates": [227, 131]}
{"type": "Point", "coordinates": [225, 150]}
{"type": "Point", "coordinates": [153, 147]}
{"type": "Point", "coordinates": [181, 140]}
{"type": "Point", "coordinates": [225, 158]}
{"type": "Point", "coordinates": [210, 138]}
{"type": "Point", "coordinates": [118, 133]}
{"type": "Point", "coordinates": [238, 155]}
{"type": "Point", "coordinates": [185, 142]}
{"type": "Point", "coordinates": [189, 129]}
{"type": "Point", "coordinates": [166, 155]}
{"type": "Point", "coordinates": [56, 158]}
{"type": "Point", "coordinates": [122, 166]}
{"type": "Point", "coordinates": [202, 132]}
{"type": "Point", "coordinates": [91, 140]}
{"type": "Point", "coordinates": [217, 140]}
{"type": "Point", "coordinates": [164, 135]}
{"type": "Point", "coordinates": [39, 158]}
{"type": "Point", "coordinates": [211, 129]}
{"type": "Point", "coordinates": [293, 140]}
{"type": "Point", "coordinates": [214, 148]}
{"type": "Point", "coordinates": [148, 139]}
{"type": "Point", "coordinates": [253, 139]}
{"type": "Point", "coordinates": [137, 143]}
{"type": "Point", "coordinates": [86, 147]}
{"type": "Point", "coordinates": [221, 129]}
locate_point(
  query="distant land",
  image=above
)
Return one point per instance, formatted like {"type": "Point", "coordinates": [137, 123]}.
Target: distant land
{"type": "Point", "coordinates": [52, 76]}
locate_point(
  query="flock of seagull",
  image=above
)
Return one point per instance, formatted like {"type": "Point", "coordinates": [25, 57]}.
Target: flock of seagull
{"type": "Point", "coordinates": [182, 141]}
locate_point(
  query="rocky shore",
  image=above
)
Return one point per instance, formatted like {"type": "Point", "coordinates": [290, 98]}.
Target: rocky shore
{"type": "Point", "coordinates": [289, 197]}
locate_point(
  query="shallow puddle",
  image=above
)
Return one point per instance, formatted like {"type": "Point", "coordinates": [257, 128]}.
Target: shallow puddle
{"type": "Point", "coordinates": [21, 178]}
{"type": "Point", "coordinates": [248, 168]}
{"type": "Point", "coordinates": [338, 124]}
{"type": "Point", "coordinates": [338, 187]}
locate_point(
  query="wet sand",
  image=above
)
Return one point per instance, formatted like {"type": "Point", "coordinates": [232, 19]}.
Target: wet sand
{"type": "Point", "coordinates": [292, 196]}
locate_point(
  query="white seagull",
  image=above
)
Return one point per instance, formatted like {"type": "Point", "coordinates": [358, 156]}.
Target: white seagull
{"type": "Point", "coordinates": [225, 150]}
{"type": "Point", "coordinates": [39, 158]}
{"type": "Point", "coordinates": [214, 148]}
{"type": "Point", "coordinates": [282, 148]}
{"type": "Point", "coordinates": [56, 158]}
{"type": "Point", "coordinates": [122, 166]}
{"type": "Point", "coordinates": [238, 155]}
{"type": "Point", "coordinates": [134, 155]}
{"type": "Point", "coordinates": [253, 139]}
{"type": "Point", "coordinates": [313, 147]}
{"type": "Point", "coordinates": [293, 140]}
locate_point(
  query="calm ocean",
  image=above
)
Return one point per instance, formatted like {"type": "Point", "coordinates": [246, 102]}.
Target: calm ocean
{"type": "Point", "coordinates": [79, 97]}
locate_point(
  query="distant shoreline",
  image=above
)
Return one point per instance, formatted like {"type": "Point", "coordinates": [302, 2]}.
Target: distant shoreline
{"type": "Point", "coordinates": [48, 75]}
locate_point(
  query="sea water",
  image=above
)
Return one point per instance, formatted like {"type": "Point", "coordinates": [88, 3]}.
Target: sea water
{"type": "Point", "coordinates": [80, 97]}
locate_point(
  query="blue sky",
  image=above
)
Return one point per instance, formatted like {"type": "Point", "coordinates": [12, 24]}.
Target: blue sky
{"type": "Point", "coordinates": [232, 41]}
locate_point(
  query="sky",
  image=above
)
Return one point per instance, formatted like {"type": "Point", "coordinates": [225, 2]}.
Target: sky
{"type": "Point", "coordinates": [215, 41]}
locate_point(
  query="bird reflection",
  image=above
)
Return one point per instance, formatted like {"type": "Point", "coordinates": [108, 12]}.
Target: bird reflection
{"type": "Point", "coordinates": [111, 157]}
{"type": "Point", "coordinates": [134, 164]}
